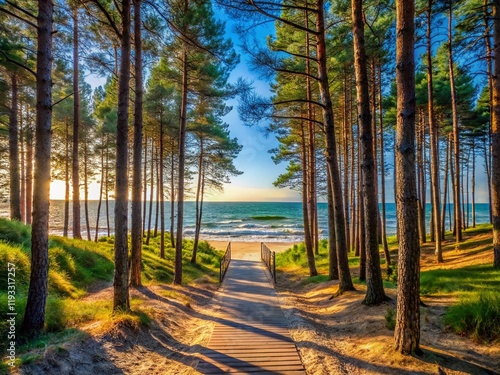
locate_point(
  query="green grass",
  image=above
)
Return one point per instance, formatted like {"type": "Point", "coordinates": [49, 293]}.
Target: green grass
{"type": "Point", "coordinates": [477, 315]}
{"type": "Point", "coordinates": [76, 265]}
{"type": "Point", "coordinates": [476, 287]}
{"type": "Point", "coordinates": [15, 233]}
{"type": "Point", "coordinates": [480, 278]}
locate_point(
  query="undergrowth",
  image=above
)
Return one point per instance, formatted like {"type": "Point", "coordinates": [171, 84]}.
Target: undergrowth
{"type": "Point", "coordinates": [478, 312]}
{"type": "Point", "coordinates": [77, 265]}
{"type": "Point", "coordinates": [477, 315]}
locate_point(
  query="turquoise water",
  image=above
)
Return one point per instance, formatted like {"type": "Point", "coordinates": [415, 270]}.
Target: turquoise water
{"type": "Point", "coordinates": [239, 221]}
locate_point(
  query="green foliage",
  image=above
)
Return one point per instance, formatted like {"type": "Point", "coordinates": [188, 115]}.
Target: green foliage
{"type": "Point", "coordinates": [14, 232]}
{"type": "Point", "coordinates": [75, 265]}
{"type": "Point", "coordinates": [390, 319]}
{"type": "Point", "coordinates": [468, 279]}
{"type": "Point", "coordinates": [477, 315]}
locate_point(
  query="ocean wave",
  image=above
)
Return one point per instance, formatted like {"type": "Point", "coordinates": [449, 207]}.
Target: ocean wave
{"type": "Point", "coordinates": [268, 217]}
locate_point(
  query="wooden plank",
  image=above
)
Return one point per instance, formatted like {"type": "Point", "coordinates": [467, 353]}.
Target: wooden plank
{"type": "Point", "coordinates": [251, 336]}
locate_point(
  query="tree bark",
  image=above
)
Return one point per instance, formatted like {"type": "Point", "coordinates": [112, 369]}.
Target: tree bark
{"type": "Point", "coordinates": [487, 149]}
{"type": "Point", "coordinates": [456, 135]}
{"type": "Point", "coordinates": [161, 189]}
{"type": "Point", "coordinates": [331, 150]}
{"type": "Point", "coordinates": [23, 166]}
{"type": "Point", "coordinates": [136, 230]}
{"type": "Point", "coordinates": [182, 163]}
{"type": "Point", "coordinates": [86, 188]}
{"type": "Point", "coordinates": [495, 138]}
{"type": "Point", "coordinates": [75, 162]}
{"type": "Point", "coordinates": [198, 199]}
{"type": "Point", "coordinates": [34, 316]}
{"type": "Point", "coordinates": [333, 265]}
{"type": "Point", "coordinates": [151, 194]}
{"type": "Point", "coordinates": [407, 331]}
{"type": "Point", "coordinates": [382, 171]}
{"type": "Point", "coordinates": [100, 196]}
{"type": "Point", "coordinates": [172, 193]}
{"type": "Point", "coordinates": [66, 178]}
{"type": "Point", "coordinates": [15, 180]}
{"type": "Point", "coordinates": [121, 292]}
{"type": "Point", "coordinates": [434, 139]}
{"type": "Point", "coordinates": [421, 176]}
{"type": "Point", "coordinates": [374, 285]}
{"type": "Point", "coordinates": [29, 174]}
{"type": "Point", "coordinates": [305, 207]}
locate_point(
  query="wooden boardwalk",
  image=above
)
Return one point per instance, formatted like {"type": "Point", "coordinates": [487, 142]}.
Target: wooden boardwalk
{"type": "Point", "coordinates": [251, 336]}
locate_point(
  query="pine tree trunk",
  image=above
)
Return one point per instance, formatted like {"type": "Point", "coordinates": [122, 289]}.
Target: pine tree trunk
{"type": "Point", "coordinates": [345, 146]}
{"type": "Point", "coordinates": [382, 170]}
{"type": "Point", "coordinates": [434, 142]}
{"type": "Point", "coordinates": [151, 194]}
{"type": "Point", "coordinates": [157, 204]}
{"type": "Point", "coordinates": [374, 286]}
{"type": "Point", "coordinates": [354, 189]}
{"type": "Point", "coordinates": [333, 264]}
{"type": "Point", "coordinates": [161, 187]}
{"type": "Point", "coordinates": [100, 196]}
{"type": "Point", "coordinates": [34, 316]}
{"type": "Point", "coordinates": [407, 331]}
{"type": "Point", "coordinates": [121, 292]}
{"type": "Point", "coordinates": [23, 168]}
{"type": "Point", "coordinates": [29, 174]}
{"type": "Point", "coordinates": [86, 188]}
{"type": "Point", "coordinates": [145, 186]}
{"type": "Point", "coordinates": [487, 150]}
{"type": "Point", "coordinates": [331, 150]}
{"type": "Point", "coordinates": [108, 226]}
{"type": "Point", "coordinates": [182, 163]}
{"type": "Point", "coordinates": [445, 188]}
{"type": "Point", "coordinates": [495, 138]}
{"type": "Point", "coordinates": [136, 231]}
{"type": "Point", "coordinates": [15, 181]}
{"type": "Point", "coordinates": [456, 136]}
{"type": "Point", "coordinates": [473, 183]}
{"type": "Point", "coordinates": [305, 207]}
{"type": "Point", "coordinates": [75, 163]}
{"type": "Point", "coordinates": [66, 179]}
{"type": "Point", "coordinates": [172, 193]}
{"type": "Point", "coordinates": [198, 198]}
{"type": "Point", "coordinates": [421, 178]}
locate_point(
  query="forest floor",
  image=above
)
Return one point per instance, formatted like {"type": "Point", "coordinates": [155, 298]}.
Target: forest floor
{"type": "Point", "coordinates": [334, 335]}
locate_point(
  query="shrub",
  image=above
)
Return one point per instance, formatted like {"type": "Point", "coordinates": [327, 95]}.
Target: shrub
{"type": "Point", "coordinates": [390, 321]}
{"type": "Point", "coordinates": [15, 233]}
{"type": "Point", "coordinates": [477, 315]}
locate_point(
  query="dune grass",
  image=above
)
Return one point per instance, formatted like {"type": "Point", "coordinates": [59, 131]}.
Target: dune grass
{"type": "Point", "coordinates": [476, 287]}
{"type": "Point", "coordinates": [77, 265]}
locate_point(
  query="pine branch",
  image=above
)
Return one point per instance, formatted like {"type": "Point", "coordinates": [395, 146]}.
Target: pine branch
{"type": "Point", "coordinates": [299, 101]}
{"type": "Point", "coordinates": [14, 5]}
{"type": "Point", "coordinates": [283, 20]}
{"type": "Point", "coordinates": [108, 17]}
{"type": "Point", "coordinates": [18, 63]}
{"type": "Point", "coordinates": [61, 100]}
{"type": "Point", "coordinates": [18, 17]}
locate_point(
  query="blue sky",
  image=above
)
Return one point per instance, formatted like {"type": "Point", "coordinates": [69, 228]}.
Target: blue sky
{"type": "Point", "coordinates": [256, 183]}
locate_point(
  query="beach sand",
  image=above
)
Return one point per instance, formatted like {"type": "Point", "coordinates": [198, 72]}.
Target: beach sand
{"type": "Point", "coordinates": [250, 250]}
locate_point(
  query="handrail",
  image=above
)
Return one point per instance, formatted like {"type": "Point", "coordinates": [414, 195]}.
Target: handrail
{"type": "Point", "coordinates": [269, 259]}
{"type": "Point", "coordinates": [224, 262]}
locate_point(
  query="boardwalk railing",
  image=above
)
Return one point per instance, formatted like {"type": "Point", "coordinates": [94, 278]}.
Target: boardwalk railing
{"type": "Point", "coordinates": [224, 262]}
{"type": "Point", "coordinates": [269, 259]}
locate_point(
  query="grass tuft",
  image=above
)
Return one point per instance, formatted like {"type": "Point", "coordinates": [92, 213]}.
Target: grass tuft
{"type": "Point", "coordinates": [477, 315]}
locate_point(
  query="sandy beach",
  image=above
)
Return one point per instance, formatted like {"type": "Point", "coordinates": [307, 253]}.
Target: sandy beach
{"type": "Point", "coordinates": [250, 250]}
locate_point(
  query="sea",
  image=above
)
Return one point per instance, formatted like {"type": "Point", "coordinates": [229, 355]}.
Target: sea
{"type": "Point", "coordinates": [236, 221]}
